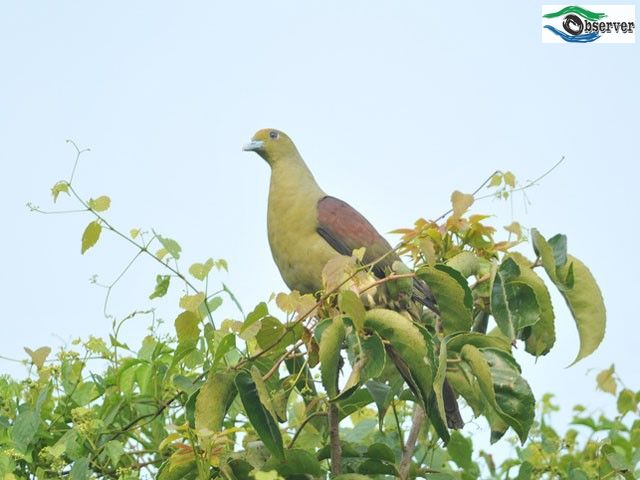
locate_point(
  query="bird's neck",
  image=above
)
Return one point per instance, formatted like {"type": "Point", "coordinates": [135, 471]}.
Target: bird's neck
{"type": "Point", "coordinates": [292, 179]}
{"type": "Point", "coordinates": [293, 199]}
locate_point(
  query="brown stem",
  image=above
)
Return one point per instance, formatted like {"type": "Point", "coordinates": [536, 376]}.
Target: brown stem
{"type": "Point", "coordinates": [416, 424]}
{"type": "Point", "coordinates": [334, 439]}
{"type": "Point", "coordinates": [388, 278]}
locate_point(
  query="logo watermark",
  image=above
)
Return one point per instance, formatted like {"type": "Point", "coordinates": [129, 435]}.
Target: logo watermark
{"type": "Point", "coordinates": [589, 23]}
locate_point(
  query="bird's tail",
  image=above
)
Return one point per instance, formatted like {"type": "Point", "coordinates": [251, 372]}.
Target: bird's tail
{"type": "Point", "coordinates": [422, 294]}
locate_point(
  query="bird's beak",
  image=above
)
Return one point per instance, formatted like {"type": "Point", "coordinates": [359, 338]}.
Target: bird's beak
{"type": "Point", "coordinates": [253, 146]}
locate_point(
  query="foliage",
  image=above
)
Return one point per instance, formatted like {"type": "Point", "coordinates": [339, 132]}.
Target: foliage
{"type": "Point", "coordinates": [611, 448]}
{"type": "Point", "coordinates": [270, 391]}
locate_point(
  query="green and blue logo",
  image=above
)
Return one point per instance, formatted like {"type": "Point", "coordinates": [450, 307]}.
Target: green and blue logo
{"type": "Point", "coordinates": [602, 23]}
{"type": "Point", "coordinates": [573, 24]}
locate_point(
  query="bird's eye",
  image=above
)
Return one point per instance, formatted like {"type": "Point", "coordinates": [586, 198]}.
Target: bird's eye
{"type": "Point", "coordinates": [273, 134]}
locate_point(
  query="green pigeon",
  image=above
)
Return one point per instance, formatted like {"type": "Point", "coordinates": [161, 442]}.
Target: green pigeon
{"type": "Point", "coordinates": [307, 228]}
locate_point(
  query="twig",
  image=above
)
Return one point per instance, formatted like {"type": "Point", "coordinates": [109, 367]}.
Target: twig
{"type": "Point", "coordinates": [334, 439]}
{"type": "Point", "coordinates": [416, 424]}
{"type": "Point", "coordinates": [2, 357]}
{"type": "Point", "coordinates": [395, 415]}
{"type": "Point", "coordinates": [519, 189]}
{"type": "Point", "coordinates": [473, 195]}
{"type": "Point", "coordinates": [386, 279]}
{"type": "Point", "coordinates": [531, 183]}
{"type": "Point", "coordinates": [278, 362]}
{"type": "Point", "coordinates": [142, 249]}
{"type": "Point", "coordinates": [78, 153]}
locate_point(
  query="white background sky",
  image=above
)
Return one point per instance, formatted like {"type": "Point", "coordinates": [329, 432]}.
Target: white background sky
{"type": "Point", "coordinates": [393, 105]}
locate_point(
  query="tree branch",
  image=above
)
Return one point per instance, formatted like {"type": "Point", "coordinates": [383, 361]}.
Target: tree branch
{"type": "Point", "coordinates": [416, 424]}
{"type": "Point", "coordinates": [334, 440]}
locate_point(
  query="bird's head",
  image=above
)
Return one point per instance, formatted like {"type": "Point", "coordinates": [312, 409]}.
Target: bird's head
{"type": "Point", "coordinates": [271, 144]}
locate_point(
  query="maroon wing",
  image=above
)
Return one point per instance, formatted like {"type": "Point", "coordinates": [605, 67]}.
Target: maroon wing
{"type": "Point", "coordinates": [345, 230]}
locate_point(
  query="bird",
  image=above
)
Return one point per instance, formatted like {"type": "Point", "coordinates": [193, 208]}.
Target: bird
{"type": "Point", "coordinates": [307, 228]}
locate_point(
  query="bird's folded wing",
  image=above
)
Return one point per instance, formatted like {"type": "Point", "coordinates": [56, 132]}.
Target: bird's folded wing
{"type": "Point", "coordinates": [346, 230]}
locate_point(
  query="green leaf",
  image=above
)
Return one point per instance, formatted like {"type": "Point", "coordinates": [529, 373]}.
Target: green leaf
{"type": "Point", "coordinates": [348, 451]}
{"type": "Point", "coordinates": [270, 475]}
{"type": "Point", "coordinates": [213, 401]}
{"type": "Point", "coordinates": [330, 358]}
{"type": "Point", "coordinates": [241, 470]}
{"type": "Point", "coordinates": [510, 179]}
{"type": "Point", "coordinates": [354, 381]}
{"type": "Point", "coordinates": [481, 370]}
{"type": "Point", "coordinates": [84, 393]}
{"type": "Point", "coordinates": [263, 392]}
{"type": "Point", "coordinates": [171, 246]}
{"type": "Point", "coordinates": [377, 467]}
{"type": "Point", "coordinates": [542, 248]}
{"type": "Point", "coordinates": [352, 306]}
{"type": "Point", "coordinates": [411, 354]}
{"type": "Point", "coordinates": [39, 356]}
{"type": "Point", "coordinates": [114, 450]}
{"type": "Point", "coordinates": [615, 459]}
{"type": "Point", "coordinates": [360, 399]}
{"type": "Point", "coordinates": [579, 289]}
{"type": "Point", "coordinates": [280, 398]}
{"type": "Point", "coordinates": [496, 180]}
{"type": "Point", "coordinates": [507, 395]}
{"type": "Point", "coordinates": [201, 270]}
{"type": "Point", "coordinates": [90, 235]}
{"type": "Point", "coordinates": [587, 307]}
{"type": "Point", "coordinates": [627, 402]}
{"type": "Point", "coordinates": [258, 313]}
{"type": "Point", "coordinates": [274, 336]}
{"type": "Point", "coordinates": [100, 204]}
{"type": "Point", "coordinates": [513, 394]}
{"type": "Point", "coordinates": [260, 418]}
{"type": "Point", "coordinates": [558, 244]}
{"type": "Point", "coordinates": [24, 429]}
{"type": "Point", "coordinates": [525, 472]}
{"type": "Point", "coordinates": [162, 286]}
{"type": "Point", "coordinates": [184, 384]}
{"type": "Point", "coordinates": [382, 397]}
{"type": "Point", "coordinates": [193, 302]}
{"type": "Point", "coordinates": [513, 302]}
{"type": "Point", "coordinates": [539, 337]}
{"type": "Point", "coordinates": [460, 449]}
{"type": "Point", "coordinates": [467, 264]}
{"type": "Point", "coordinates": [380, 451]}
{"type": "Point", "coordinates": [187, 328]}
{"type": "Point", "coordinates": [210, 306]}
{"type": "Point", "coordinates": [373, 352]}
{"type": "Point", "coordinates": [453, 296]}
{"type": "Point", "coordinates": [80, 469]}
{"type": "Point", "coordinates": [180, 466]}
{"type": "Point", "coordinates": [606, 382]}
{"type": "Point", "coordinates": [369, 363]}
{"type": "Point", "coordinates": [577, 474]}
{"type": "Point", "coordinates": [58, 188]}
{"type": "Point", "coordinates": [295, 463]}
{"type": "Point", "coordinates": [438, 380]}
{"type": "Point", "coordinates": [478, 340]}
{"type": "Point", "coordinates": [227, 343]}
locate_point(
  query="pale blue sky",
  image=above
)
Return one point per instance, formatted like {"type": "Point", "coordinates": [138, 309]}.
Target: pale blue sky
{"type": "Point", "coordinates": [393, 105]}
